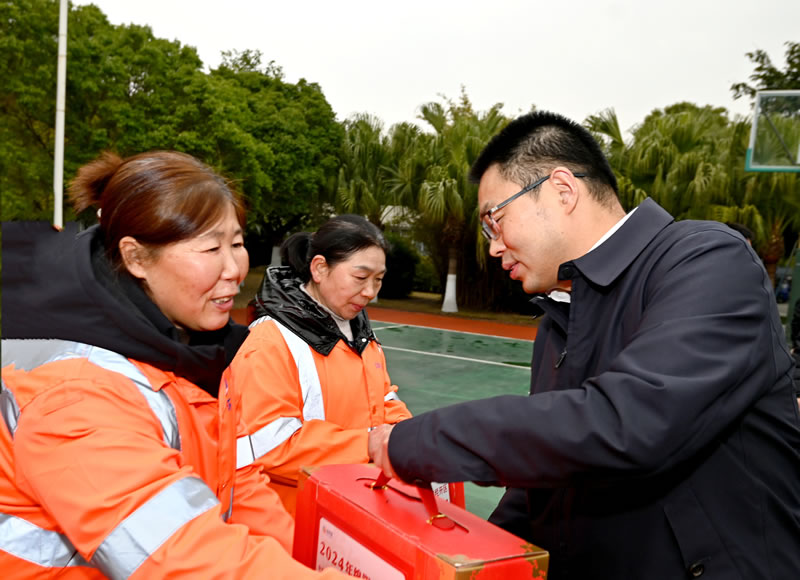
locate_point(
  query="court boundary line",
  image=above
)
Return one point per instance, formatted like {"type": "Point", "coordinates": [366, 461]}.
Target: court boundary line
{"type": "Point", "coordinates": [464, 358]}
{"type": "Point", "coordinates": [399, 326]}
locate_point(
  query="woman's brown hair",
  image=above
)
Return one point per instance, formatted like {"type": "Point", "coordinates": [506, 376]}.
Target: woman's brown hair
{"type": "Point", "coordinates": [158, 198]}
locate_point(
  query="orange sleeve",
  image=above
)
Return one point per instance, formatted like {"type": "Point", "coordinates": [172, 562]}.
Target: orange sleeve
{"type": "Point", "coordinates": [394, 410]}
{"type": "Point", "coordinates": [91, 455]}
{"type": "Point", "coordinates": [259, 507]}
{"type": "Point", "coordinates": [266, 375]}
{"type": "Point", "coordinates": [213, 549]}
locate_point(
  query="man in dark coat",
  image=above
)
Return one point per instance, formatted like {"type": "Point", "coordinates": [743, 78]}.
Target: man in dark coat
{"type": "Point", "coordinates": [661, 438]}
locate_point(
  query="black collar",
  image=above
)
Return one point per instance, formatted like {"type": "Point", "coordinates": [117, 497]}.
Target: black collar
{"type": "Point", "coordinates": [603, 265]}
{"type": "Point", "coordinates": [282, 298]}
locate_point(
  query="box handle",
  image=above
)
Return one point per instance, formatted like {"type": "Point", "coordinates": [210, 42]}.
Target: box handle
{"type": "Point", "coordinates": [435, 517]}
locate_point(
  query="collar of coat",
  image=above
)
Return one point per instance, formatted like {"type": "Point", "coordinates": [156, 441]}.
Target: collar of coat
{"type": "Point", "coordinates": [281, 298]}
{"type": "Point", "coordinates": [60, 285]}
{"type": "Point", "coordinates": [603, 265]}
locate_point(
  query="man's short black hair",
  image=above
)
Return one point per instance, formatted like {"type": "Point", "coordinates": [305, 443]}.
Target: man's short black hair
{"type": "Point", "coordinates": [534, 144]}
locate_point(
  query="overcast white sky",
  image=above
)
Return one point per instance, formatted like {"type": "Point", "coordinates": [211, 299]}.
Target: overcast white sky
{"type": "Point", "coordinates": [575, 57]}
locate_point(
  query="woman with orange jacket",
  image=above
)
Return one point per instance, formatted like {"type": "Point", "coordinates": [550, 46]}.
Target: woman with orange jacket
{"type": "Point", "coordinates": [312, 373]}
{"type": "Point", "coordinates": [117, 439]}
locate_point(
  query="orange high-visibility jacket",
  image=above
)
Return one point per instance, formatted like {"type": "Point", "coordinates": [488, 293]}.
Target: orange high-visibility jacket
{"type": "Point", "coordinates": [112, 467]}
{"type": "Point", "coordinates": [304, 408]}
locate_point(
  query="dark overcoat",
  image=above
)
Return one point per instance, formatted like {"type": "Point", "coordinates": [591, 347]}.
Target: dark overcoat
{"type": "Point", "coordinates": [661, 439]}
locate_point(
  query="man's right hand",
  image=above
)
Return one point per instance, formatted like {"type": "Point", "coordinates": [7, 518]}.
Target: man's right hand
{"type": "Point", "coordinates": [378, 449]}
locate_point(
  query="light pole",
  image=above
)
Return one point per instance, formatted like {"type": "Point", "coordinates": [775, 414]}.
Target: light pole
{"type": "Point", "coordinates": [61, 89]}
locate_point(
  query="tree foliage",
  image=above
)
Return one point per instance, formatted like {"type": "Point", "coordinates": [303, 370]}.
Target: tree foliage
{"type": "Point", "coordinates": [362, 187]}
{"type": "Point", "coordinates": [128, 91]}
{"type": "Point", "coordinates": [281, 141]}
{"type": "Point", "coordinates": [281, 144]}
{"type": "Point", "coordinates": [690, 159]}
{"type": "Point", "coordinates": [447, 201]}
{"type": "Point", "coordinates": [766, 76]}
{"type": "Point", "coordinates": [122, 86]}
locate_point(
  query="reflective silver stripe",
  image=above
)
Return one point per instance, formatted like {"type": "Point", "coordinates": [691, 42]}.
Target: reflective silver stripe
{"type": "Point", "coordinates": [29, 542]}
{"type": "Point", "coordinates": [391, 397]}
{"type": "Point", "coordinates": [271, 435]}
{"type": "Point", "coordinates": [146, 529]}
{"type": "Point", "coordinates": [258, 321]}
{"type": "Point", "coordinates": [313, 407]}
{"type": "Point", "coordinates": [28, 354]}
{"type": "Point", "coordinates": [244, 452]}
{"type": "Point", "coordinates": [159, 401]}
{"type": "Point", "coordinates": [9, 409]}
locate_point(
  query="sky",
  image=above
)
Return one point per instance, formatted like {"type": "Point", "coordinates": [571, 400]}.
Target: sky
{"type": "Point", "coordinates": [574, 57]}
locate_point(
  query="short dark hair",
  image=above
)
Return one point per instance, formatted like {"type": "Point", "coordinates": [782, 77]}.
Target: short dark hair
{"type": "Point", "coordinates": [336, 240]}
{"type": "Point", "coordinates": [532, 145]}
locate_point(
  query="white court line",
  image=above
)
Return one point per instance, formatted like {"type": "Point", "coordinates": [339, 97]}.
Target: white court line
{"type": "Point", "coordinates": [449, 330]}
{"type": "Point", "coordinates": [395, 326]}
{"type": "Point", "coordinates": [485, 362]}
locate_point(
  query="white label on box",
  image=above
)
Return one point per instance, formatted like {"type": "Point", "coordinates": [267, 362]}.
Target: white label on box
{"type": "Point", "coordinates": [336, 549]}
{"type": "Point", "coordinates": [441, 490]}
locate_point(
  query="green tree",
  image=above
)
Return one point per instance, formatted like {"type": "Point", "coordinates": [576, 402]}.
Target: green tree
{"type": "Point", "coordinates": [123, 85]}
{"type": "Point", "coordinates": [690, 159]}
{"type": "Point", "coordinates": [767, 76]}
{"type": "Point", "coordinates": [676, 154]}
{"type": "Point", "coordinates": [280, 140]}
{"type": "Point", "coordinates": [362, 187]}
{"type": "Point", "coordinates": [447, 200]}
{"type": "Point", "coordinates": [28, 51]}
{"type": "Point", "coordinates": [128, 91]}
{"type": "Point", "coordinates": [410, 151]}
{"type": "Point", "coordinates": [776, 195]}
{"type": "Point", "coordinates": [605, 128]}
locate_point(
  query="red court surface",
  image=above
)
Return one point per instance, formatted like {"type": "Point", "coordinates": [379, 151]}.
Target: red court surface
{"type": "Point", "coordinates": [452, 322]}
{"type": "Point", "coordinates": [446, 322]}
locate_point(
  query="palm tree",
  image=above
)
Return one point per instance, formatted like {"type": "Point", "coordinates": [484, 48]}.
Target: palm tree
{"type": "Point", "coordinates": [447, 199]}
{"type": "Point", "coordinates": [676, 156]}
{"type": "Point", "coordinates": [409, 150]}
{"type": "Point", "coordinates": [777, 197]}
{"type": "Point", "coordinates": [362, 188]}
{"type": "Point", "coordinates": [691, 160]}
{"type": "Point", "coordinates": [605, 128]}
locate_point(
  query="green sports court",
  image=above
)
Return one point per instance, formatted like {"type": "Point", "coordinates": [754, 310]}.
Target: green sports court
{"type": "Point", "coordinates": [434, 367]}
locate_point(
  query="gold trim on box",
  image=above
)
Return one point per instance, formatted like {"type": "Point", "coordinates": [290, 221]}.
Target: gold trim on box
{"type": "Point", "coordinates": [461, 561]}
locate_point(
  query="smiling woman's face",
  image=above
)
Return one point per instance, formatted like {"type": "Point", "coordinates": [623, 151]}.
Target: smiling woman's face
{"type": "Point", "coordinates": [194, 281]}
{"type": "Point", "coordinates": [348, 287]}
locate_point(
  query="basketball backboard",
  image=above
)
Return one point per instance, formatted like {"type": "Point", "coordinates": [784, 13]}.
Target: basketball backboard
{"type": "Point", "coordinates": [775, 133]}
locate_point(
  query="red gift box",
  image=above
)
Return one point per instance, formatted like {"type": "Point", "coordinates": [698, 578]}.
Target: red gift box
{"type": "Point", "coordinates": [349, 517]}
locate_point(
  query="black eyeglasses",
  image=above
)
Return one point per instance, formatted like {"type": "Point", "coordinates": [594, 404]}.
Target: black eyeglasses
{"type": "Point", "coordinates": [489, 226]}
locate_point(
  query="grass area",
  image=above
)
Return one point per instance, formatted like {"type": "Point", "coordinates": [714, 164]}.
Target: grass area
{"type": "Point", "coordinates": [418, 302]}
